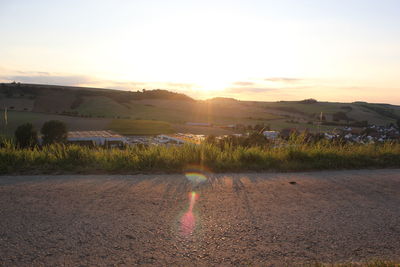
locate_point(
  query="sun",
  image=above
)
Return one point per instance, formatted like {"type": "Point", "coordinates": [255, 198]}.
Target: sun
{"type": "Point", "coordinates": [212, 85]}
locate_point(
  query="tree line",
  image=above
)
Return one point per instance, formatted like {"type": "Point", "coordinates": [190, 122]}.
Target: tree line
{"type": "Point", "coordinates": [54, 131]}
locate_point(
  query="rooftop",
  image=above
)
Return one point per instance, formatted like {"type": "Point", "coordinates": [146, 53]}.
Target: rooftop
{"type": "Point", "coordinates": [86, 134]}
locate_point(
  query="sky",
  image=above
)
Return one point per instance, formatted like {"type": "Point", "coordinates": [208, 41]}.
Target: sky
{"type": "Point", "coordinates": [330, 50]}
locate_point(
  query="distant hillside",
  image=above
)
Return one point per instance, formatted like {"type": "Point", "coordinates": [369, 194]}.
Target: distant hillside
{"type": "Point", "coordinates": [101, 106]}
{"type": "Point", "coordinates": [59, 99]}
{"type": "Point", "coordinates": [222, 99]}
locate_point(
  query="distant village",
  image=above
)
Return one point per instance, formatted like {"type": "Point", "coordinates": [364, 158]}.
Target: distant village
{"type": "Point", "coordinates": [367, 135]}
{"type": "Point", "coordinates": [370, 134]}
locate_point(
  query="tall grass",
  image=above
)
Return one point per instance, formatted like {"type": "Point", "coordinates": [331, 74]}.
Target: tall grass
{"type": "Point", "coordinates": [293, 156]}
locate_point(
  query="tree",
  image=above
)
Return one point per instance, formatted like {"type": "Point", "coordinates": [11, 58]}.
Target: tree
{"type": "Point", "coordinates": [398, 123]}
{"type": "Point", "coordinates": [308, 101]}
{"type": "Point", "coordinates": [26, 135]}
{"type": "Point", "coordinates": [338, 116]}
{"type": "Point", "coordinates": [54, 132]}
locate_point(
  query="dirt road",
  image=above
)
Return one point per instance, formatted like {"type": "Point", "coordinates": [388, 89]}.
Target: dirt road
{"type": "Point", "coordinates": [231, 219]}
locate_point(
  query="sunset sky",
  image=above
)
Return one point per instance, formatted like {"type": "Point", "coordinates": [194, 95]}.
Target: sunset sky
{"type": "Point", "coordinates": [338, 50]}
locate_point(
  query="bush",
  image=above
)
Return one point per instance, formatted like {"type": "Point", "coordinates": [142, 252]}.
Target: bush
{"type": "Point", "coordinates": [26, 135]}
{"type": "Point", "coordinates": [54, 132]}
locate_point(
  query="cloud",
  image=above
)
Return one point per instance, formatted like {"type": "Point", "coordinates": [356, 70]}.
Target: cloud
{"type": "Point", "coordinates": [71, 80]}
{"type": "Point", "coordinates": [136, 85]}
{"type": "Point", "coordinates": [130, 85]}
{"type": "Point", "coordinates": [283, 79]}
{"type": "Point", "coordinates": [240, 90]}
{"type": "Point", "coordinates": [184, 85]}
{"type": "Point", "coordinates": [40, 77]}
{"type": "Point", "coordinates": [243, 83]}
{"type": "Point", "coordinates": [37, 73]}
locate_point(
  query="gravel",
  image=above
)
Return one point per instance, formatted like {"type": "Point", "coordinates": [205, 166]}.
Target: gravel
{"type": "Point", "coordinates": [232, 219]}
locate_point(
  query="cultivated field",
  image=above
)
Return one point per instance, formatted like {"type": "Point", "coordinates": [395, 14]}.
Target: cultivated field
{"type": "Point", "coordinates": [231, 220]}
{"type": "Point", "coordinates": [140, 127]}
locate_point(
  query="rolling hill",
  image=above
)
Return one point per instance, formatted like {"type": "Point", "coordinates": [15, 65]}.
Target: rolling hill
{"type": "Point", "coordinates": [96, 108]}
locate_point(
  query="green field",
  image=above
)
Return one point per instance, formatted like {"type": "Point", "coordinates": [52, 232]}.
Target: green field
{"type": "Point", "coordinates": [140, 127]}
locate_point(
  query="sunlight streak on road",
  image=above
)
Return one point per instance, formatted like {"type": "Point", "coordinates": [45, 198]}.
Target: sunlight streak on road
{"type": "Point", "coordinates": [188, 220]}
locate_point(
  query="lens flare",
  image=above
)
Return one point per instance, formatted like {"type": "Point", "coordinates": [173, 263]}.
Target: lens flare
{"type": "Point", "coordinates": [196, 177]}
{"type": "Point", "coordinates": [188, 220]}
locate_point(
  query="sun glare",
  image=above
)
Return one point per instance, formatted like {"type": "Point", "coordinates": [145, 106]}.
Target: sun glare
{"type": "Point", "coordinates": [213, 85]}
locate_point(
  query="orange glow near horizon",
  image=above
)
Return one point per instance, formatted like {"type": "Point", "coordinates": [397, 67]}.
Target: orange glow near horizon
{"type": "Point", "coordinates": [248, 50]}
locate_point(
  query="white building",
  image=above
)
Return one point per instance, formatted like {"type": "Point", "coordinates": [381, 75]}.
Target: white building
{"type": "Point", "coordinates": [96, 137]}
{"type": "Point", "coordinates": [271, 135]}
{"type": "Point", "coordinates": [164, 139]}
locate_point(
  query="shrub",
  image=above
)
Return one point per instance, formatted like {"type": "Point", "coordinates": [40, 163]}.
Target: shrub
{"type": "Point", "coordinates": [26, 135]}
{"type": "Point", "coordinates": [54, 132]}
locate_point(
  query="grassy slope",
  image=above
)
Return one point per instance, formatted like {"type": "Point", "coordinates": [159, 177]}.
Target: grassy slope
{"type": "Point", "coordinates": [357, 113]}
{"type": "Point", "coordinates": [101, 106]}
{"type": "Point", "coordinates": [174, 111]}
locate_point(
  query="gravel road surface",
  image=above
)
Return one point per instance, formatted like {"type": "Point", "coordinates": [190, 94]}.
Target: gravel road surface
{"type": "Point", "coordinates": [258, 219]}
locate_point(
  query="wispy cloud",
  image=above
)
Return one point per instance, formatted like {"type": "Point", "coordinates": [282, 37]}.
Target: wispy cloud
{"type": "Point", "coordinates": [240, 90]}
{"type": "Point", "coordinates": [244, 83]}
{"type": "Point", "coordinates": [72, 80]}
{"type": "Point", "coordinates": [37, 73]}
{"type": "Point", "coordinates": [179, 85]}
{"type": "Point", "coordinates": [283, 79]}
{"type": "Point", "coordinates": [39, 77]}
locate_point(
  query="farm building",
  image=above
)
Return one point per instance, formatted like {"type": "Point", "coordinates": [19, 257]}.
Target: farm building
{"type": "Point", "coordinates": [271, 135]}
{"type": "Point", "coordinates": [101, 138]}
{"type": "Point", "coordinates": [229, 126]}
{"type": "Point", "coordinates": [166, 139]}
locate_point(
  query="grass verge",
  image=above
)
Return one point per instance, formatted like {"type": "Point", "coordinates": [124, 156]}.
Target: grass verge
{"type": "Point", "coordinates": [134, 159]}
